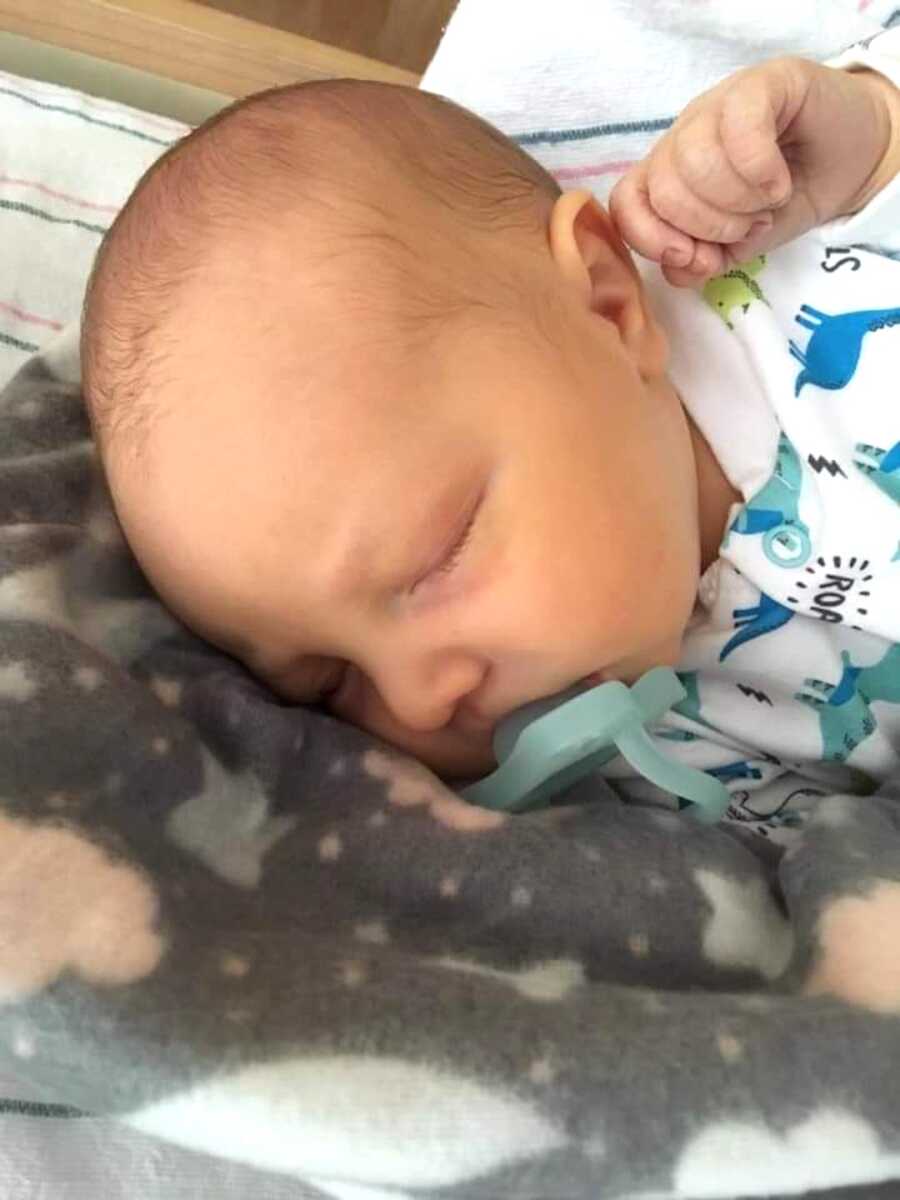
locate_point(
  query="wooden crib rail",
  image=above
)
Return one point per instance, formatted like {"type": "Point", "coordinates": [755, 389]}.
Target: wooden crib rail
{"type": "Point", "coordinates": [188, 42]}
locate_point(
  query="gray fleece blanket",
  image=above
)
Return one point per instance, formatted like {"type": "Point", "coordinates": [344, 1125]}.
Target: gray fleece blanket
{"type": "Point", "coordinates": [246, 928]}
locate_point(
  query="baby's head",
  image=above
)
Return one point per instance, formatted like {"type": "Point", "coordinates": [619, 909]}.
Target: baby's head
{"type": "Point", "coordinates": [383, 411]}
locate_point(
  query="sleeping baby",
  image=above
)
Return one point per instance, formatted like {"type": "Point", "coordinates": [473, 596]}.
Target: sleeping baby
{"type": "Point", "coordinates": [404, 428]}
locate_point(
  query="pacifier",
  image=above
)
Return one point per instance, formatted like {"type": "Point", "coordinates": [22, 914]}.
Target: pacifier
{"type": "Point", "coordinates": [548, 745]}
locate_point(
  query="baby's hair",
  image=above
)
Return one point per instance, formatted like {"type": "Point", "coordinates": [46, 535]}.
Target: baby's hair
{"type": "Point", "coordinates": [316, 149]}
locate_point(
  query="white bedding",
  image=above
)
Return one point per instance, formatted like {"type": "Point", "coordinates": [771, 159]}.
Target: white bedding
{"type": "Point", "coordinates": [67, 163]}
{"type": "Point", "coordinates": [605, 76]}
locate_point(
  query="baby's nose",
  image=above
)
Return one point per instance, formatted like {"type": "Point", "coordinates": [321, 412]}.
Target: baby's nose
{"type": "Point", "coordinates": [424, 696]}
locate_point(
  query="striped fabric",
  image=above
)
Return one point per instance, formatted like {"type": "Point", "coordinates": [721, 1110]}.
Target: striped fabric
{"type": "Point", "coordinates": [607, 77]}
{"type": "Point", "coordinates": [67, 163]}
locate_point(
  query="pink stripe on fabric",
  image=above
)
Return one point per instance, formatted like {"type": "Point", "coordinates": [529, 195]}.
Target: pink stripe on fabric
{"type": "Point", "coordinates": [31, 318]}
{"type": "Point", "coordinates": [29, 87]}
{"type": "Point", "coordinates": [47, 191]}
{"type": "Point", "coordinates": [611, 168]}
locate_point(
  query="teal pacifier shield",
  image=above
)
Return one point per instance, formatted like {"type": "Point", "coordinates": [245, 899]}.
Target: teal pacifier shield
{"type": "Point", "coordinates": [548, 745]}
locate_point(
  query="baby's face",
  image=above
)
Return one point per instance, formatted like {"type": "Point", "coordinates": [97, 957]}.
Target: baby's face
{"type": "Point", "coordinates": [428, 542]}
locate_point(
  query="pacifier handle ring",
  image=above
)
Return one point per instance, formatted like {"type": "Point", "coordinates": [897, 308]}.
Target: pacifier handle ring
{"type": "Point", "coordinates": [658, 690]}
{"type": "Point", "coordinates": [708, 796]}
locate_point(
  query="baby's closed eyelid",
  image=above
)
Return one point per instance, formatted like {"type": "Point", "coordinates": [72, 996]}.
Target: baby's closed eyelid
{"type": "Point", "coordinates": [449, 558]}
{"type": "Point", "coordinates": [446, 561]}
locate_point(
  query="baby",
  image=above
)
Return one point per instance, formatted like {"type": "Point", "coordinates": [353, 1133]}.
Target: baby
{"type": "Point", "coordinates": [399, 424]}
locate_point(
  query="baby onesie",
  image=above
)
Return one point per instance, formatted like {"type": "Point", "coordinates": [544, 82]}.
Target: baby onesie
{"type": "Point", "coordinates": [790, 367]}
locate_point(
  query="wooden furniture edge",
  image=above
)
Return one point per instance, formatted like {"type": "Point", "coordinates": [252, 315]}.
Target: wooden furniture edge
{"type": "Point", "coordinates": [190, 43]}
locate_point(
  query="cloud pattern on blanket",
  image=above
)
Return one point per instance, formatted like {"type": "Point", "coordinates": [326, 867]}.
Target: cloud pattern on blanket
{"type": "Point", "coordinates": [455, 1128]}
{"type": "Point", "coordinates": [828, 1148]}
{"type": "Point", "coordinates": [247, 928]}
{"type": "Point", "coordinates": [66, 905]}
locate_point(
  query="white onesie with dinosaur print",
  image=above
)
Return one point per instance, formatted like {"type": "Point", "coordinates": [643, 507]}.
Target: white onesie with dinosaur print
{"type": "Point", "coordinates": [790, 366]}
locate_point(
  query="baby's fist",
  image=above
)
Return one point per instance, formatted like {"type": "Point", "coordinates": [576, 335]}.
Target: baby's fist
{"type": "Point", "coordinates": [762, 157]}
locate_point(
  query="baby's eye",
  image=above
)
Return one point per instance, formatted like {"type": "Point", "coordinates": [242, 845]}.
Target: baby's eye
{"type": "Point", "coordinates": [450, 560]}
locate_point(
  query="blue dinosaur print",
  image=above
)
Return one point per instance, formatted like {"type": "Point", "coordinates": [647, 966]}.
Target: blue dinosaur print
{"type": "Point", "coordinates": [882, 467]}
{"type": "Point", "coordinates": [734, 771]}
{"type": "Point", "coordinates": [773, 511]}
{"type": "Point", "coordinates": [750, 623]}
{"type": "Point", "coordinates": [844, 709]}
{"type": "Point", "coordinates": [676, 735]}
{"type": "Point", "coordinates": [832, 352]}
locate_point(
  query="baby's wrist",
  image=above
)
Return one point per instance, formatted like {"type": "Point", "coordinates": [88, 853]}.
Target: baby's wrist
{"type": "Point", "coordinates": [885, 99]}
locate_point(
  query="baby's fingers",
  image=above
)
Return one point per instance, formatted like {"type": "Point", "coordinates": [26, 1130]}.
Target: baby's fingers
{"type": "Point", "coordinates": [709, 259]}
{"type": "Point", "coordinates": [675, 198]}
{"type": "Point", "coordinates": [748, 134]}
{"type": "Point", "coordinates": [699, 156]}
{"type": "Point", "coordinates": [642, 228]}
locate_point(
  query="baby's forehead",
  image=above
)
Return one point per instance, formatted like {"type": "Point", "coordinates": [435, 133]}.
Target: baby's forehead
{"type": "Point", "coordinates": [278, 441]}
{"type": "Point", "coordinates": [326, 175]}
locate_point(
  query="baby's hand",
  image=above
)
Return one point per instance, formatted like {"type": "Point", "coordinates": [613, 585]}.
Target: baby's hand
{"type": "Point", "coordinates": [762, 157]}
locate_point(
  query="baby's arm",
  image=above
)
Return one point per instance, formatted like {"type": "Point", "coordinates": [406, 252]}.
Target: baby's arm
{"type": "Point", "coordinates": [764, 156]}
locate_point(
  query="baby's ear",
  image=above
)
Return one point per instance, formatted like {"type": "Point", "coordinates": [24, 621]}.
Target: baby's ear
{"type": "Point", "coordinates": [593, 259]}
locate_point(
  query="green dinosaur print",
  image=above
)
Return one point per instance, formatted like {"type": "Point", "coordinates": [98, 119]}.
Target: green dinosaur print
{"type": "Point", "coordinates": [735, 289]}
{"type": "Point", "coordinates": [844, 709]}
